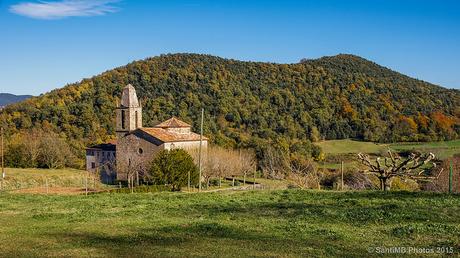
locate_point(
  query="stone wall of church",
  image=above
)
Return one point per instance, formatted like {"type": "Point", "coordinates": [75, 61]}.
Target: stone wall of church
{"type": "Point", "coordinates": [134, 154]}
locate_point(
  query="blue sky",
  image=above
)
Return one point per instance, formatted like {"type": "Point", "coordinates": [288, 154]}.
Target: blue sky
{"type": "Point", "coordinates": [47, 44]}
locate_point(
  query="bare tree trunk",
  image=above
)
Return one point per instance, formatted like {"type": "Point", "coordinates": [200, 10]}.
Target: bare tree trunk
{"type": "Point", "coordinates": [386, 185]}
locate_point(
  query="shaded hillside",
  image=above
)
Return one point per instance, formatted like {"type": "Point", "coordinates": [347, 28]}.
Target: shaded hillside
{"type": "Point", "coordinates": [6, 98]}
{"type": "Point", "coordinates": [252, 104]}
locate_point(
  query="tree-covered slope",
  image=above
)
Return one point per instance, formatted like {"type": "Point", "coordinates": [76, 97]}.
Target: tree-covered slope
{"type": "Point", "coordinates": [252, 104]}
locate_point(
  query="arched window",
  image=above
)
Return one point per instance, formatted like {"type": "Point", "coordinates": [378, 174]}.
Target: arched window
{"type": "Point", "coordinates": [123, 118]}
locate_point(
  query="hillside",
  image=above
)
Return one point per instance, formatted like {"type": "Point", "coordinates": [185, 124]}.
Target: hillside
{"type": "Point", "coordinates": [6, 98]}
{"type": "Point", "coordinates": [253, 104]}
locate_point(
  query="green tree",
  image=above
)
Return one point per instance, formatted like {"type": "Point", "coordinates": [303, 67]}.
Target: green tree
{"type": "Point", "coordinates": [173, 168]}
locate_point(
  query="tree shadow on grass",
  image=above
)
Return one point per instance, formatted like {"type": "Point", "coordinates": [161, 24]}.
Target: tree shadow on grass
{"type": "Point", "coordinates": [175, 240]}
{"type": "Point", "coordinates": [344, 211]}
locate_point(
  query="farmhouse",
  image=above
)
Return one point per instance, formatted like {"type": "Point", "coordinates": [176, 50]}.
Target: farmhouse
{"type": "Point", "coordinates": [136, 145]}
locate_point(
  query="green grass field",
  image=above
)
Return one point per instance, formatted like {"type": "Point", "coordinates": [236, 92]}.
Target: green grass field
{"type": "Point", "coordinates": [441, 149]}
{"type": "Point", "coordinates": [350, 146]}
{"type": "Point", "coordinates": [281, 223]}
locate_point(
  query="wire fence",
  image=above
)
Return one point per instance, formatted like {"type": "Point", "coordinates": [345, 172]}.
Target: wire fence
{"type": "Point", "coordinates": [80, 182]}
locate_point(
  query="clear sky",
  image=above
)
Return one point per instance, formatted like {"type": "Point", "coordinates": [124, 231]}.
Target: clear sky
{"type": "Point", "coordinates": [48, 43]}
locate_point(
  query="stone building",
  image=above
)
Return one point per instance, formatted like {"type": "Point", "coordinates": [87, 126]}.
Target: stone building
{"type": "Point", "coordinates": [101, 159]}
{"type": "Point", "coordinates": [137, 145]}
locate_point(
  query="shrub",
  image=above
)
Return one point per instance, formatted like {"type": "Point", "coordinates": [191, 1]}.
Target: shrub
{"type": "Point", "coordinates": [142, 189]}
{"type": "Point", "coordinates": [173, 168]}
{"type": "Point", "coordinates": [404, 184]}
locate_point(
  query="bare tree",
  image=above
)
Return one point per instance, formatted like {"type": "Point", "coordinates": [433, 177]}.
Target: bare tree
{"type": "Point", "coordinates": [303, 173]}
{"type": "Point", "coordinates": [54, 151]}
{"type": "Point", "coordinates": [247, 161]}
{"type": "Point", "coordinates": [394, 165]}
{"type": "Point", "coordinates": [275, 163]}
{"type": "Point", "coordinates": [32, 140]}
{"type": "Point", "coordinates": [221, 163]}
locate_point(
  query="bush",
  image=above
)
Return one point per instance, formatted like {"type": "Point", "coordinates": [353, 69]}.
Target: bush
{"type": "Point", "coordinates": [352, 180]}
{"type": "Point", "coordinates": [172, 168]}
{"type": "Point", "coordinates": [214, 182]}
{"type": "Point", "coordinates": [143, 189]}
{"type": "Point", "coordinates": [404, 184]}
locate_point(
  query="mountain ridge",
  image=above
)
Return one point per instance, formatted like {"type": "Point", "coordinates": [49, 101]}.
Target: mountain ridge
{"type": "Point", "coordinates": [8, 98]}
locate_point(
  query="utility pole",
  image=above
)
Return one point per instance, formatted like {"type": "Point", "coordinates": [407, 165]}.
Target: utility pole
{"type": "Point", "coordinates": [3, 165]}
{"type": "Point", "coordinates": [199, 156]}
{"type": "Point", "coordinates": [451, 174]}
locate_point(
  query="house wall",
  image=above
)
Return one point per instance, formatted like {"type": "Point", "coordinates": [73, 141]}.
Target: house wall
{"type": "Point", "coordinates": [185, 145]}
{"type": "Point", "coordinates": [180, 130]}
{"type": "Point", "coordinates": [90, 159]}
{"type": "Point", "coordinates": [99, 158]}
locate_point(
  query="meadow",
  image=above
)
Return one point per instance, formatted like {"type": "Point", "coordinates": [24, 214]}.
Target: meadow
{"type": "Point", "coordinates": [38, 180]}
{"type": "Point", "coordinates": [278, 223]}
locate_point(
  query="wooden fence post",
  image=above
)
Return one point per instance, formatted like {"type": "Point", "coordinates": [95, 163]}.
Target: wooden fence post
{"type": "Point", "coordinates": [341, 170]}
{"type": "Point", "coordinates": [46, 184]}
{"type": "Point", "coordinates": [86, 184]}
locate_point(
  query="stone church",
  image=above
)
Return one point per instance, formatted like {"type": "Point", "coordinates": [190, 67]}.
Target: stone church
{"type": "Point", "coordinates": [136, 145]}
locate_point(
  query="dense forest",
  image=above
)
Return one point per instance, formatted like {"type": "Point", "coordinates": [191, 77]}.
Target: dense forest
{"type": "Point", "coordinates": [251, 104]}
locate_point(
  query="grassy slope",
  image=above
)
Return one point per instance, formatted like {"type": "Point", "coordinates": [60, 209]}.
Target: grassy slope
{"type": "Point", "coordinates": [350, 146]}
{"type": "Point", "coordinates": [19, 178]}
{"type": "Point", "coordinates": [441, 149]}
{"type": "Point", "coordinates": [261, 223]}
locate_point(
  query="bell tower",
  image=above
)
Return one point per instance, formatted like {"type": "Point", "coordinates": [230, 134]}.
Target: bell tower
{"type": "Point", "coordinates": [129, 112]}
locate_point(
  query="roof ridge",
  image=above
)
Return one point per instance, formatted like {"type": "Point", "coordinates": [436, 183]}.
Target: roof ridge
{"type": "Point", "coordinates": [173, 122]}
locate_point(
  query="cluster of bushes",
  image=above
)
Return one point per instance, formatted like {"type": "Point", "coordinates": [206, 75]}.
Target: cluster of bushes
{"type": "Point", "coordinates": [143, 189]}
{"type": "Point", "coordinates": [177, 167]}
{"type": "Point", "coordinates": [37, 148]}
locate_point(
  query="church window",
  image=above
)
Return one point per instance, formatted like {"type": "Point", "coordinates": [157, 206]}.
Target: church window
{"type": "Point", "coordinates": [140, 151]}
{"type": "Point", "coordinates": [123, 118]}
{"type": "Point", "coordinates": [137, 120]}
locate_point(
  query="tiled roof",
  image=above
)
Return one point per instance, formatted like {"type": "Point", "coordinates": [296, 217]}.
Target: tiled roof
{"type": "Point", "coordinates": [168, 136]}
{"type": "Point", "coordinates": [173, 123]}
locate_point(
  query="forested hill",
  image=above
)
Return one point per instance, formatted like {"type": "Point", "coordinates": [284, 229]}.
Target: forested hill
{"type": "Point", "coordinates": [251, 103]}
{"type": "Point", "coordinates": [6, 98]}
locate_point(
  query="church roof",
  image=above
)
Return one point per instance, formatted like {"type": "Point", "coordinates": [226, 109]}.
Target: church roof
{"type": "Point", "coordinates": [129, 97]}
{"type": "Point", "coordinates": [167, 136]}
{"type": "Point", "coordinates": [173, 123]}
